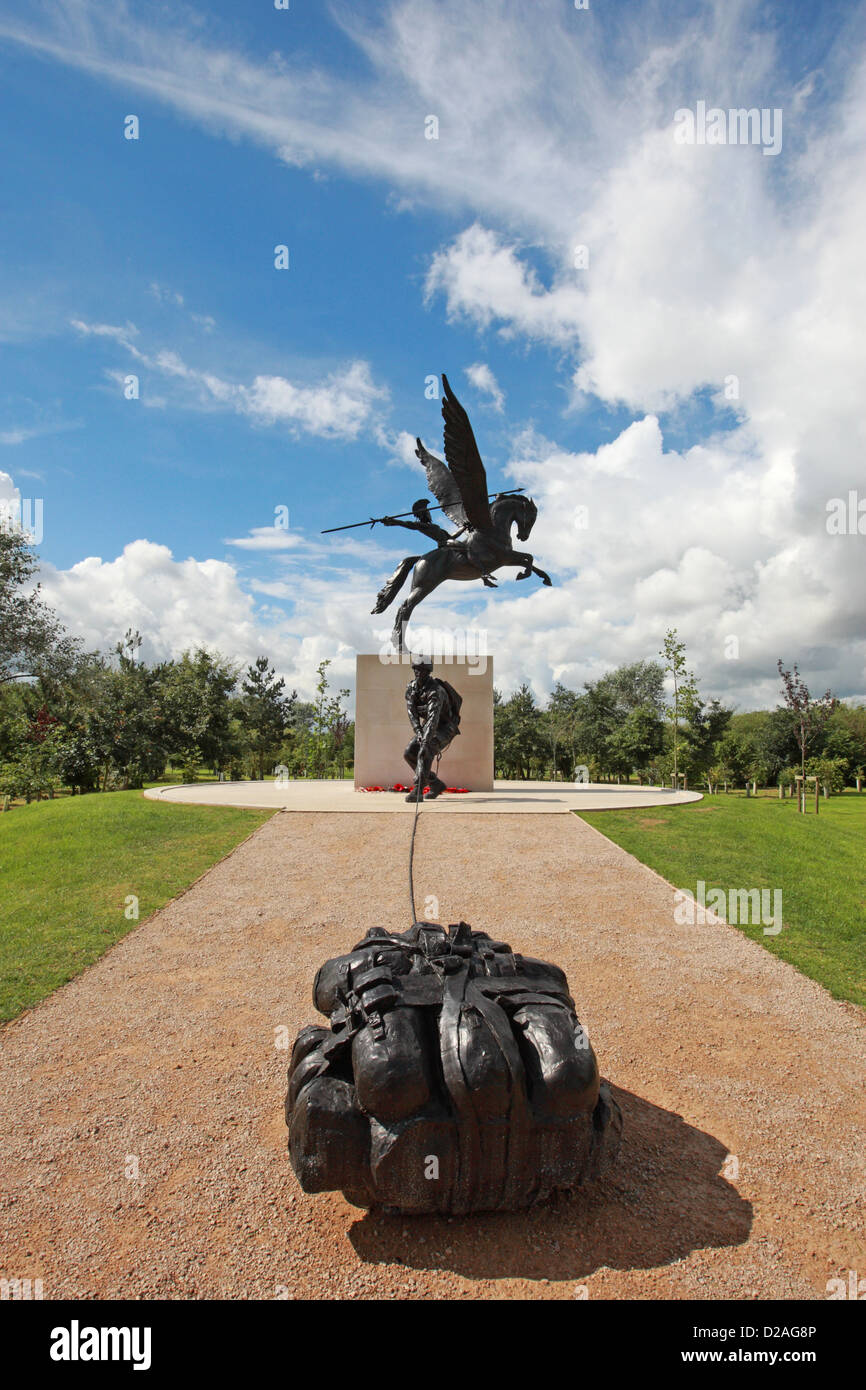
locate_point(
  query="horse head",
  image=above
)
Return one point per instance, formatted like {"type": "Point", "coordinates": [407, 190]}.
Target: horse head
{"type": "Point", "coordinates": [505, 511]}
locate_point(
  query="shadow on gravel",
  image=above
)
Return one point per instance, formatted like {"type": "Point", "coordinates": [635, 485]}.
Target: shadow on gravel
{"type": "Point", "coordinates": [664, 1197]}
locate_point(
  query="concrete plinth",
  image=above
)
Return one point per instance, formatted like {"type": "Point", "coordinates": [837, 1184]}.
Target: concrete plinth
{"type": "Point", "coordinates": [382, 728]}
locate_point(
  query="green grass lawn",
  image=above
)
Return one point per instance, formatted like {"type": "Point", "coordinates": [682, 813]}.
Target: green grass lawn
{"type": "Point", "coordinates": [819, 863]}
{"type": "Point", "coordinates": [68, 865]}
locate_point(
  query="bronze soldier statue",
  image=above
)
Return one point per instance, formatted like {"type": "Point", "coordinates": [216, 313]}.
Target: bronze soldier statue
{"type": "Point", "coordinates": [434, 713]}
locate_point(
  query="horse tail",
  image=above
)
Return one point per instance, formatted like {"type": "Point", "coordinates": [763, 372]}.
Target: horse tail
{"type": "Point", "coordinates": [393, 585]}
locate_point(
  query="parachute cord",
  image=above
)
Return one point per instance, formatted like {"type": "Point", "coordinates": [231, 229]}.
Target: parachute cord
{"type": "Point", "coordinates": [412, 852]}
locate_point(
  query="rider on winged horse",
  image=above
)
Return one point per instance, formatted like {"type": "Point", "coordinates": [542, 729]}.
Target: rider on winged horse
{"type": "Point", "coordinates": [460, 486]}
{"type": "Point", "coordinates": [427, 526]}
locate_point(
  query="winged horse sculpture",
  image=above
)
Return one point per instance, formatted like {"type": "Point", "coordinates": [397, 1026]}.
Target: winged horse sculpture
{"type": "Point", "coordinates": [482, 543]}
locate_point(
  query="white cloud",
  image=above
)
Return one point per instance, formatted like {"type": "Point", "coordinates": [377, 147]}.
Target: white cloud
{"type": "Point", "coordinates": [482, 378]}
{"type": "Point", "coordinates": [174, 604]}
{"type": "Point", "coordinates": [339, 406]}
{"type": "Point", "coordinates": [483, 279]}
{"type": "Point", "coordinates": [122, 334]}
{"type": "Point", "coordinates": [163, 295]}
{"type": "Point", "coordinates": [721, 560]}
{"type": "Point", "coordinates": [267, 538]}
{"type": "Point", "coordinates": [179, 605]}
{"type": "Point", "coordinates": [400, 445]}
{"type": "Point", "coordinates": [22, 434]}
{"type": "Point", "coordinates": [8, 491]}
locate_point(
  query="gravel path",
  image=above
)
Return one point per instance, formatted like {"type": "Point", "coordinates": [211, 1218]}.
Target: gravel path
{"type": "Point", "coordinates": [143, 1141]}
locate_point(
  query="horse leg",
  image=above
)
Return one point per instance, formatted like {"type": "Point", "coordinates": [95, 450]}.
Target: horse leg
{"type": "Point", "coordinates": [427, 576]}
{"type": "Point", "coordinates": [404, 612]}
{"type": "Point", "coordinates": [520, 557]}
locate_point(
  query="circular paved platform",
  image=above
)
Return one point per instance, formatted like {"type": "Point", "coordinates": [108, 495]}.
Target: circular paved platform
{"type": "Point", "coordinates": [307, 795]}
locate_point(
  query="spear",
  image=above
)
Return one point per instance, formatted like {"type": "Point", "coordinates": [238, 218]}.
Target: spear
{"type": "Point", "coordinates": [374, 519]}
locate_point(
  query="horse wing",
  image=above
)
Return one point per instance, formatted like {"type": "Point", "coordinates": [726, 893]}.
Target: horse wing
{"type": "Point", "coordinates": [443, 485]}
{"type": "Point", "coordinates": [464, 460]}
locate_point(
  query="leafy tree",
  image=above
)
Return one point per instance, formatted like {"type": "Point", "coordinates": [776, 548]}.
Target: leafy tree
{"type": "Point", "coordinates": [808, 716]}
{"type": "Point", "coordinates": [774, 740]}
{"type": "Point", "coordinates": [33, 641]}
{"type": "Point", "coordinates": [830, 773]}
{"type": "Point", "coordinates": [632, 686]}
{"type": "Point", "coordinates": [620, 719]}
{"type": "Point", "coordinates": [560, 724]}
{"type": "Point", "coordinates": [596, 722]}
{"type": "Point", "coordinates": [845, 737]}
{"type": "Point", "coordinates": [846, 734]}
{"type": "Point", "coordinates": [757, 771]}
{"type": "Point", "coordinates": [14, 706]}
{"type": "Point", "coordinates": [518, 734]}
{"type": "Point", "coordinates": [76, 761]}
{"type": "Point", "coordinates": [264, 710]}
{"type": "Point", "coordinates": [685, 688]}
{"type": "Point", "coordinates": [705, 724]}
{"type": "Point", "coordinates": [329, 727]}
{"type": "Point", "coordinates": [196, 692]}
{"type": "Point", "coordinates": [635, 741]}
{"type": "Point", "coordinates": [733, 754]}
{"type": "Point", "coordinates": [28, 769]}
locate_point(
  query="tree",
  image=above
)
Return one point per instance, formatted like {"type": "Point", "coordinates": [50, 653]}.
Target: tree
{"type": "Point", "coordinates": [632, 686]}
{"type": "Point", "coordinates": [29, 771]}
{"type": "Point", "coordinates": [596, 721]}
{"type": "Point", "coordinates": [845, 737]}
{"type": "Point", "coordinates": [830, 773]}
{"type": "Point", "coordinates": [635, 741]}
{"type": "Point", "coordinates": [704, 727]}
{"type": "Point", "coordinates": [808, 716]}
{"type": "Point", "coordinates": [685, 687]}
{"type": "Point", "coordinates": [620, 719]}
{"type": "Point", "coordinates": [33, 641]}
{"type": "Point", "coordinates": [265, 709]}
{"type": "Point", "coordinates": [196, 693]}
{"type": "Point", "coordinates": [774, 740]}
{"type": "Point", "coordinates": [560, 723]}
{"type": "Point", "coordinates": [329, 727]}
{"type": "Point", "coordinates": [629, 703]}
{"type": "Point", "coordinates": [733, 755]}
{"type": "Point", "coordinates": [518, 734]}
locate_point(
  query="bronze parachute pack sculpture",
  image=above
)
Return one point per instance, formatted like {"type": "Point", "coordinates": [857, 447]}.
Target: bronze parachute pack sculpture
{"type": "Point", "coordinates": [455, 1077]}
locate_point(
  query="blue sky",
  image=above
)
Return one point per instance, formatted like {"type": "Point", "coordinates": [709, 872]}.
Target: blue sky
{"type": "Point", "coordinates": [605, 385]}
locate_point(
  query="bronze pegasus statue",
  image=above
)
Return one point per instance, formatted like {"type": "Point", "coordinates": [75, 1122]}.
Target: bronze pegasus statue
{"type": "Point", "coordinates": [482, 542]}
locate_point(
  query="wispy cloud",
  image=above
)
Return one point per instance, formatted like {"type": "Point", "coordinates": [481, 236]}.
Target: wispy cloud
{"type": "Point", "coordinates": [21, 434]}
{"type": "Point", "coordinates": [339, 406]}
{"type": "Point", "coordinates": [266, 538]}
{"type": "Point", "coordinates": [482, 378]}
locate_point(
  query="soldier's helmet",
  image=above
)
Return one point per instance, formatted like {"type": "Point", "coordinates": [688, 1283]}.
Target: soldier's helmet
{"type": "Point", "coordinates": [421, 509]}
